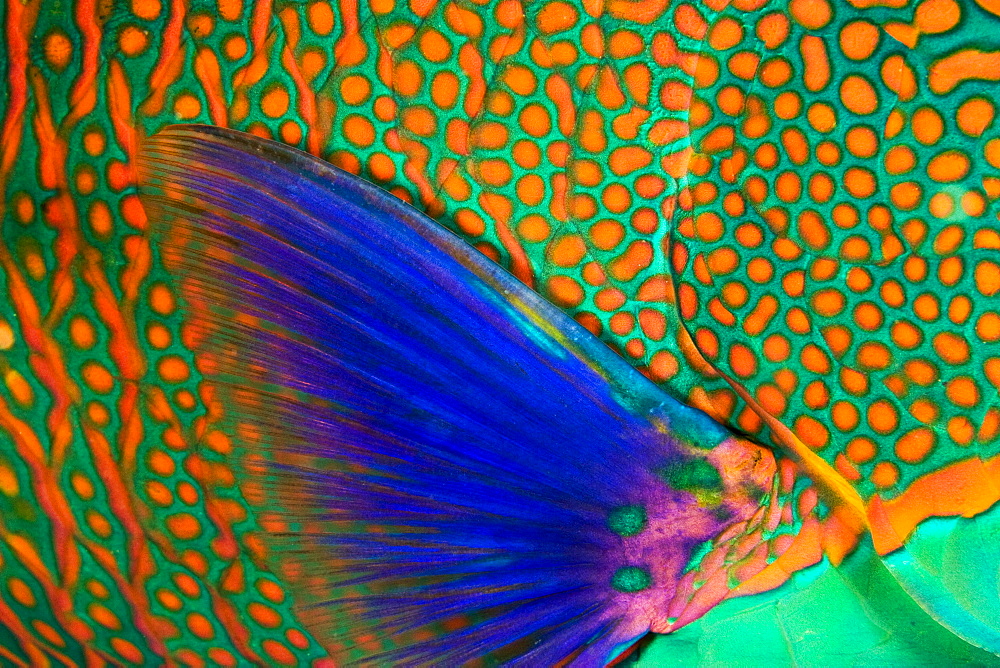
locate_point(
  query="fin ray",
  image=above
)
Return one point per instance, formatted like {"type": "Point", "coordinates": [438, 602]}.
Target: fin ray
{"type": "Point", "coordinates": [439, 441]}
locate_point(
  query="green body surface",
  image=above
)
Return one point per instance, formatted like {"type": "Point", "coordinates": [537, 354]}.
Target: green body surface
{"type": "Point", "coordinates": [792, 203]}
{"type": "Point", "coordinates": [854, 615]}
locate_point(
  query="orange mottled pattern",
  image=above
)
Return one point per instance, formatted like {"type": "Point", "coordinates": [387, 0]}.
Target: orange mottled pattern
{"type": "Point", "coordinates": [841, 255]}
{"type": "Point", "coordinates": [788, 202]}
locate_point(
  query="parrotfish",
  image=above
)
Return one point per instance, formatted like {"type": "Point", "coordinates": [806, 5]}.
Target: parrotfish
{"type": "Point", "coordinates": [489, 331]}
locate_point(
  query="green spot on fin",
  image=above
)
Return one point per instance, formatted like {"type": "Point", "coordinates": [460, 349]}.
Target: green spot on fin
{"type": "Point", "coordinates": [691, 475]}
{"type": "Point", "coordinates": [627, 520]}
{"type": "Point", "coordinates": [631, 579]}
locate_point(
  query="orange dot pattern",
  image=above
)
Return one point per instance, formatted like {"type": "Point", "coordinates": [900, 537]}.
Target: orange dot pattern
{"type": "Point", "coordinates": [126, 539]}
{"type": "Point", "coordinates": [791, 193]}
{"type": "Point", "coordinates": [858, 205]}
{"type": "Point", "coordinates": [527, 130]}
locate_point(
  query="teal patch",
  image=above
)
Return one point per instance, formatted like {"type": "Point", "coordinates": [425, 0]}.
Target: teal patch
{"type": "Point", "coordinates": [692, 475]}
{"type": "Point", "coordinates": [627, 520]}
{"type": "Point", "coordinates": [631, 579]}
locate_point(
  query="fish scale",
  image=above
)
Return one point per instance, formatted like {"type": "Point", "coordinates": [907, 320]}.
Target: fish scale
{"type": "Point", "coordinates": [868, 296]}
{"type": "Point", "coordinates": [160, 575]}
{"type": "Point", "coordinates": [578, 145]}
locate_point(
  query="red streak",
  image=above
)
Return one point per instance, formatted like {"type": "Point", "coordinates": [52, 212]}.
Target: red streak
{"type": "Point", "coordinates": [83, 97]}
{"type": "Point", "coordinates": [20, 24]}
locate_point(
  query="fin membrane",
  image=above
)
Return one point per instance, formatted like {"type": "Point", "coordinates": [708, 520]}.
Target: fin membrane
{"type": "Point", "coordinates": [460, 470]}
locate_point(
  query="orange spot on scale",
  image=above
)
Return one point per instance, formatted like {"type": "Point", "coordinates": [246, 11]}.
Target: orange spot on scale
{"type": "Point", "coordinates": [987, 276]}
{"type": "Point", "coordinates": [628, 159]}
{"type": "Point", "coordinates": [127, 650]}
{"type": "Point", "coordinates": [200, 626]}
{"type": "Point", "coordinates": [264, 615]}
{"type": "Point", "coordinates": [556, 16]}
{"type": "Point", "coordinates": [961, 430]}
{"type": "Point", "coordinates": [637, 257]}
{"type": "Point", "coordinates": [963, 391]}
{"type": "Point", "coordinates": [915, 445]}
{"type": "Point", "coordinates": [58, 50]}
{"type": "Point", "coordinates": [874, 355]}
{"type": "Point", "coordinates": [278, 652]}
{"type": "Point", "coordinates": [97, 377]}
{"type": "Point", "coordinates": [49, 633]}
{"type": "Point", "coordinates": [974, 116]}
{"type": "Point", "coordinates": [565, 291]}
{"type": "Point", "coordinates": [184, 526]}
{"type": "Point", "coordinates": [965, 65]}
{"type": "Point", "coordinates": [638, 11]}
{"type": "Point", "coordinates": [103, 616]}
{"type": "Point", "coordinates": [952, 348]}
{"type": "Point", "coordinates": [812, 432]}
{"type": "Point", "coordinates": [948, 166]}
{"type": "Point", "coordinates": [885, 474]}
{"type": "Point", "coordinates": [222, 657]}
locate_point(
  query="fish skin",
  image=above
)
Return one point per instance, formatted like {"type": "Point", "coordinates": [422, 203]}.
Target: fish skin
{"type": "Point", "coordinates": [459, 471]}
{"type": "Point", "coordinates": [83, 84]}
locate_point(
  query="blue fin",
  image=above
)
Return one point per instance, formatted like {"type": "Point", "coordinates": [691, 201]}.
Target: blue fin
{"type": "Point", "coordinates": [464, 471]}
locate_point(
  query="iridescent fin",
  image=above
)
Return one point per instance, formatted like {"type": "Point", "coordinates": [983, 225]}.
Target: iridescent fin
{"type": "Point", "coordinates": [463, 471]}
